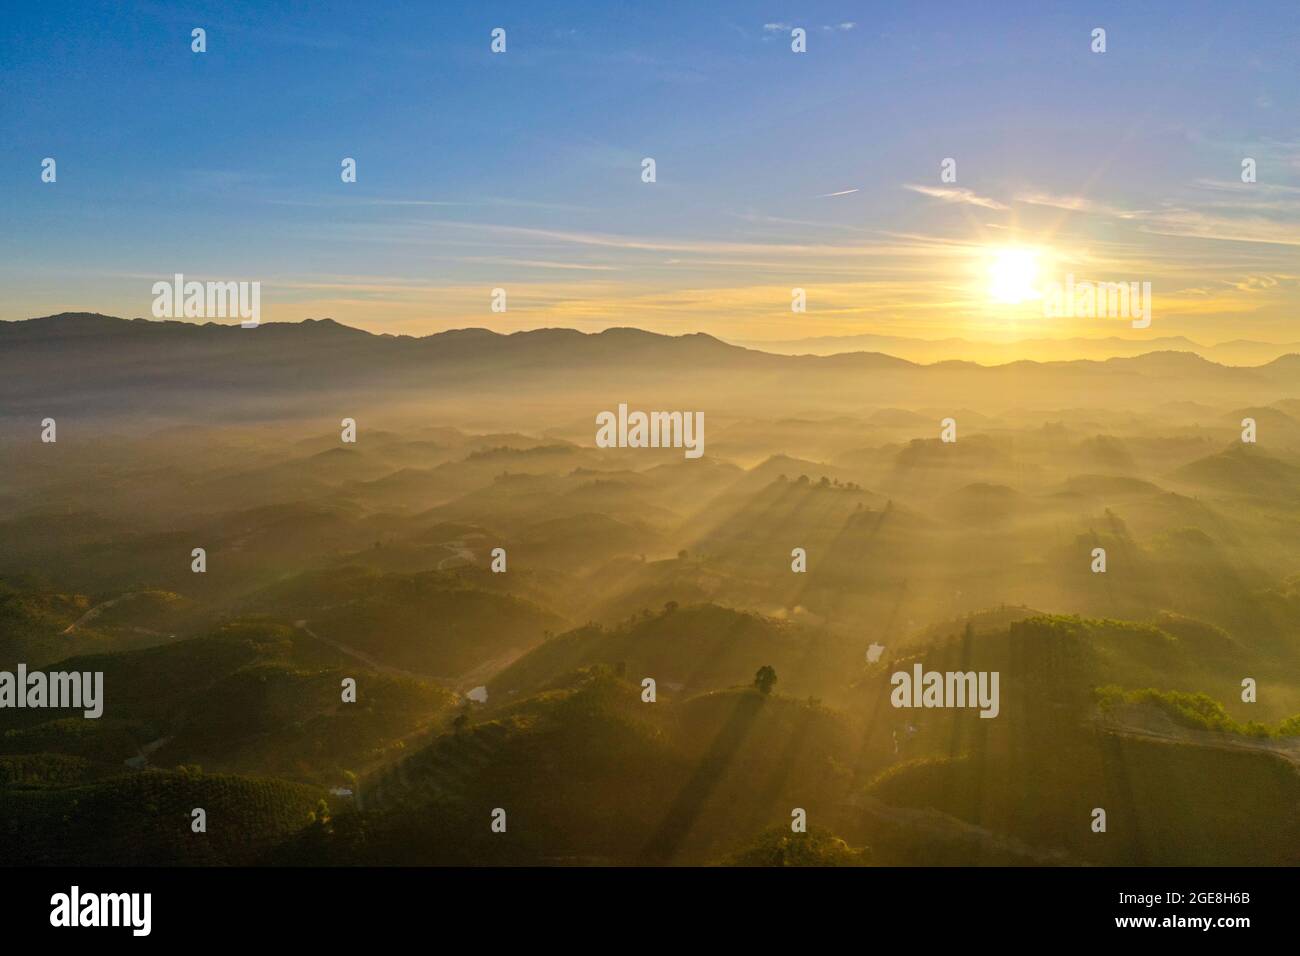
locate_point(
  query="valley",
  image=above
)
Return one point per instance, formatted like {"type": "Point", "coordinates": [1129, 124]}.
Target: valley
{"type": "Point", "coordinates": [373, 562]}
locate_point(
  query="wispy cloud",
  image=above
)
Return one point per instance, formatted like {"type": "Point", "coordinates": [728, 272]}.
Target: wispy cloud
{"type": "Point", "coordinates": [1077, 204]}
{"type": "Point", "coordinates": [842, 192]}
{"type": "Point", "coordinates": [340, 201]}
{"type": "Point", "coordinates": [540, 263]}
{"type": "Point", "coordinates": [956, 195]}
{"type": "Point", "coordinates": [843, 27]}
{"type": "Point", "coordinates": [1247, 213]}
{"type": "Point", "coordinates": [1194, 224]}
{"type": "Point", "coordinates": [1256, 283]}
{"type": "Point", "coordinates": [438, 230]}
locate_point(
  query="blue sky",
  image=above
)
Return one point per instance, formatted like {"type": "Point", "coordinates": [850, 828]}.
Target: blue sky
{"type": "Point", "coordinates": [522, 170]}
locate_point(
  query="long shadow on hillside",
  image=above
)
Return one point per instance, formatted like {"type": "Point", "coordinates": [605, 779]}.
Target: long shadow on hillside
{"type": "Point", "coordinates": [1120, 790]}
{"type": "Point", "coordinates": [680, 819]}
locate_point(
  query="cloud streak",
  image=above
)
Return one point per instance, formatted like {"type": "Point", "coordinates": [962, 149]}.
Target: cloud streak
{"type": "Point", "coordinates": [954, 194]}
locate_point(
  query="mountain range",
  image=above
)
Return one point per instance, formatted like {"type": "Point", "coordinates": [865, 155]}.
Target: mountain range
{"type": "Point", "coordinates": [92, 366]}
{"type": "Point", "coordinates": [1236, 352]}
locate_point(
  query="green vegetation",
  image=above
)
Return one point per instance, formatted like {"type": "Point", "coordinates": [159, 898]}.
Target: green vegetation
{"type": "Point", "coordinates": [145, 818]}
{"type": "Point", "coordinates": [818, 847]}
{"type": "Point", "coordinates": [252, 697]}
{"type": "Point", "coordinates": [1197, 711]}
{"type": "Point", "coordinates": [636, 569]}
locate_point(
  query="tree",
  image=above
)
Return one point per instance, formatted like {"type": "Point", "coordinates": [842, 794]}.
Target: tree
{"type": "Point", "coordinates": [818, 847]}
{"type": "Point", "coordinates": [321, 815]}
{"type": "Point", "coordinates": [765, 678]}
{"type": "Point", "coordinates": [461, 720]}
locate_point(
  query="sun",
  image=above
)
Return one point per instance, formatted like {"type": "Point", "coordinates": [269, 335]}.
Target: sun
{"type": "Point", "coordinates": [1013, 275]}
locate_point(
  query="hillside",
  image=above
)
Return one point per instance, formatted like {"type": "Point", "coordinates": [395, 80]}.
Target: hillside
{"type": "Point", "coordinates": [687, 650]}
{"type": "Point", "coordinates": [151, 816]}
{"type": "Point", "coordinates": [590, 773]}
{"type": "Point", "coordinates": [252, 697]}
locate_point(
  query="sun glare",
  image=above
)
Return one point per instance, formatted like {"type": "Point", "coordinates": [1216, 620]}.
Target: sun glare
{"type": "Point", "coordinates": [1013, 275]}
